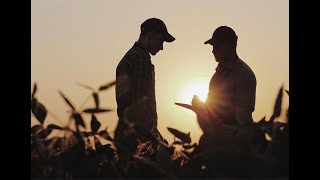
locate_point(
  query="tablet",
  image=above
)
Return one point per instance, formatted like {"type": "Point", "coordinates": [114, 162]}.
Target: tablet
{"type": "Point", "coordinates": [188, 106]}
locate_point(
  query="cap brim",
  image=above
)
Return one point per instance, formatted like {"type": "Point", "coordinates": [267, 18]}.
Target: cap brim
{"type": "Point", "coordinates": [169, 38]}
{"type": "Point", "coordinates": [210, 41]}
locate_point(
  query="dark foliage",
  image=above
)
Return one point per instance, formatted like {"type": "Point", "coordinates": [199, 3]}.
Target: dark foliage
{"type": "Point", "coordinates": [80, 154]}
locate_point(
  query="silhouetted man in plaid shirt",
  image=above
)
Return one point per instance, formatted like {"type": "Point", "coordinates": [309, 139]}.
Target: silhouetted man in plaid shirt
{"type": "Point", "coordinates": [135, 87]}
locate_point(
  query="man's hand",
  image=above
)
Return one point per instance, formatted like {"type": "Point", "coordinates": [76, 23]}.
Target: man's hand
{"type": "Point", "coordinates": [199, 107]}
{"type": "Point", "coordinates": [202, 114]}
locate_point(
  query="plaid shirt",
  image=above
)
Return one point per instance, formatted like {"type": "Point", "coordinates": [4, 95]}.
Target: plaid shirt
{"type": "Point", "coordinates": [135, 84]}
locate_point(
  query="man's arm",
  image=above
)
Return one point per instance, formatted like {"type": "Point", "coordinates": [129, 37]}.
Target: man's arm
{"type": "Point", "coordinates": [205, 116]}
{"type": "Point", "coordinates": [140, 82]}
{"type": "Point", "coordinates": [139, 79]}
{"type": "Point", "coordinates": [245, 104]}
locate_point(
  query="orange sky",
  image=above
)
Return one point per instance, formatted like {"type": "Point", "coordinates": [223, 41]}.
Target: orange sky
{"type": "Point", "coordinates": [83, 41]}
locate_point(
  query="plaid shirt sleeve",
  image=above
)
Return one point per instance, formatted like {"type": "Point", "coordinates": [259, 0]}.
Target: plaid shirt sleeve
{"type": "Point", "coordinates": [140, 79]}
{"type": "Point", "coordinates": [142, 90]}
{"type": "Point", "coordinates": [136, 92]}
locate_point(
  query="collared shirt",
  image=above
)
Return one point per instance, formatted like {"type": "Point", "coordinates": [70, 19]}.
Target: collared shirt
{"type": "Point", "coordinates": [135, 82]}
{"type": "Point", "coordinates": [233, 85]}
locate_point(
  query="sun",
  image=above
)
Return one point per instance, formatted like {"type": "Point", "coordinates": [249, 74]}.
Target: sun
{"type": "Point", "coordinates": [197, 86]}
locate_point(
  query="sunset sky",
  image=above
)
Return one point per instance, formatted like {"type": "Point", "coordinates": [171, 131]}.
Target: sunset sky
{"type": "Point", "coordinates": [83, 40]}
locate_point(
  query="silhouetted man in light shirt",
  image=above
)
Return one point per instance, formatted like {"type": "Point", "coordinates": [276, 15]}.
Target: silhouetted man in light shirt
{"type": "Point", "coordinates": [232, 92]}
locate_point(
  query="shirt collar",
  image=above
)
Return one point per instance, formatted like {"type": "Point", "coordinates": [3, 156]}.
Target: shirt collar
{"type": "Point", "coordinates": [227, 65]}
{"type": "Point", "coordinates": [140, 46]}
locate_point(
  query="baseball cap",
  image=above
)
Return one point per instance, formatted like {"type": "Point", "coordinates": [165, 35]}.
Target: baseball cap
{"type": "Point", "coordinates": [223, 33]}
{"type": "Point", "coordinates": [155, 24]}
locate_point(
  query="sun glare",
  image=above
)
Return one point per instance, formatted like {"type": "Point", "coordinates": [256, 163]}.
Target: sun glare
{"type": "Point", "coordinates": [195, 87]}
